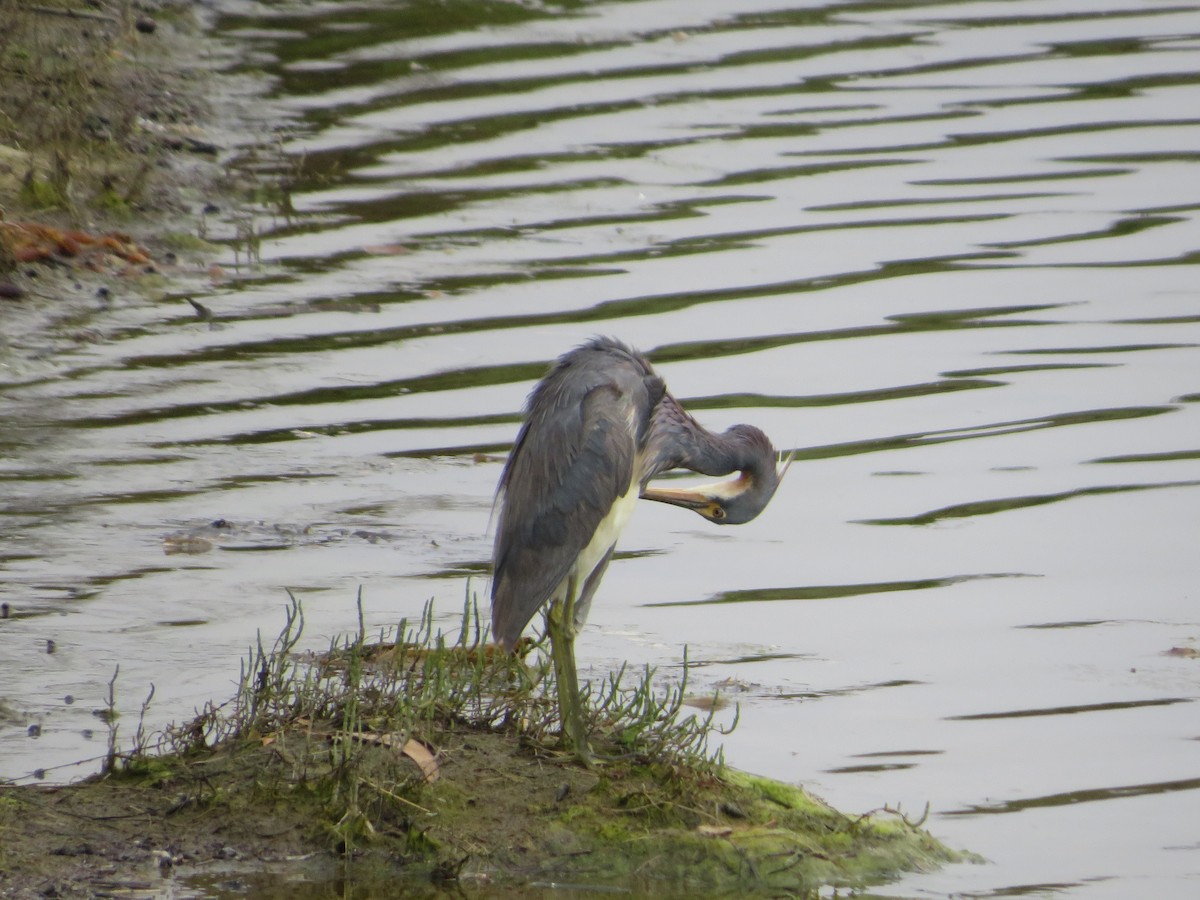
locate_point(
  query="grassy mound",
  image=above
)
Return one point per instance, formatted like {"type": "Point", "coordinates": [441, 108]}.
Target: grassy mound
{"type": "Point", "coordinates": [423, 761]}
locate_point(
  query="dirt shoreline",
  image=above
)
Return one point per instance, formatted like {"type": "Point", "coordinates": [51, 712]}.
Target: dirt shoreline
{"type": "Point", "coordinates": [117, 125]}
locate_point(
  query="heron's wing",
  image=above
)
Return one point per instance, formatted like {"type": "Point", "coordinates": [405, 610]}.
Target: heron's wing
{"type": "Point", "coordinates": [576, 454]}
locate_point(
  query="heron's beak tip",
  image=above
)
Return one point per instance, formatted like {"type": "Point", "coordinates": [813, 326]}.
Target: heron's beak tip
{"type": "Point", "coordinates": [786, 464]}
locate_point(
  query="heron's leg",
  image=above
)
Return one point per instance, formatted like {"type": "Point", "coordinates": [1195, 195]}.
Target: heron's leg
{"type": "Point", "coordinates": [560, 624]}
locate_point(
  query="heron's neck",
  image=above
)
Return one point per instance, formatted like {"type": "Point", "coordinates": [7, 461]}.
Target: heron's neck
{"type": "Point", "coordinates": [744, 450]}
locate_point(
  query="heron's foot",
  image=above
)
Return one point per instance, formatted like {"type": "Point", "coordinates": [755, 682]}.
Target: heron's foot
{"type": "Point", "coordinates": [571, 716]}
{"type": "Point", "coordinates": [583, 755]}
{"type": "Point", "coordinates": [568, 753]}
{"type": "Point", "coordinates": [594, 761]}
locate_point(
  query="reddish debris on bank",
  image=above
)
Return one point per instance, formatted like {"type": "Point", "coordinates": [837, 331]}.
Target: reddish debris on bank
{"type": "Point", "coordinates": [31, 242]}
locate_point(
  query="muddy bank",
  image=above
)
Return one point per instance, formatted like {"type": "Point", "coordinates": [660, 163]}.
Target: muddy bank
{"type": "Point", "coordinates": [434, 760]}
{"type": "Point", "coordinates": [500, 816]}
{"type": "Point", "coordinates": [117, 121]}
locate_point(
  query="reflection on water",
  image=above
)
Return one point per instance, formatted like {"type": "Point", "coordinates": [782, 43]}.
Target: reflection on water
{"type": "Point", "coordinates": [1083, 796]}
{"type": "Point", "coordinates": [954, 243]}
{"type": "Point", "coordinates": [987, 507]}
{"type": "Point", "coordinates": [827, 591]}
{"type": "Point", "coordinates": [1071, 710]}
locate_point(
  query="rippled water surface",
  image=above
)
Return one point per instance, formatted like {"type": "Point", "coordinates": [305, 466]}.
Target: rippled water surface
{"type": "Point", "coordinates": [948, 253]}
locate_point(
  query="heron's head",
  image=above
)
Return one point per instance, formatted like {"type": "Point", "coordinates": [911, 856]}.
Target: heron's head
{"type": "Point", "coordinates": [739, 499]}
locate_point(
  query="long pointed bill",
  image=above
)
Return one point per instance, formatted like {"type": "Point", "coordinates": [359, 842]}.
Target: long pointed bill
{"type": "Point", "coordinates": [689, 499]}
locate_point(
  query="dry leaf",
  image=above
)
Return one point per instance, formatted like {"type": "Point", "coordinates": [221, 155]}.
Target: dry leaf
{"type": "Point", "coordinates": [714, 830]}
{"type": "Point", "coordinates": [420, 753]}
{"type": "Point", "coordinates": [1185, 652]}
{"type": "Point", "coordinates": [706, 702]}
{"type": "Point", "coordinates": [182, 543]}
{"type": "Point", "coordinates": [426, 760]}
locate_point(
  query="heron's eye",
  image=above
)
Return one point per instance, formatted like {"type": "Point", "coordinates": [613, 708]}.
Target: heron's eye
{"type": "Point", "coordinates": [718, 512]}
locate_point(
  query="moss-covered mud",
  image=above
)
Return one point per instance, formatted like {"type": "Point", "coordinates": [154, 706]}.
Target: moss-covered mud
{"type": "Point", "coordinates": [500, 815]}
{"type": "Point", "coordinates": [433, 763]}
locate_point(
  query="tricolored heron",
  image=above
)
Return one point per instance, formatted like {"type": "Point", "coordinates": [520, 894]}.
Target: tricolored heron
{"type": "Point", "coordinates": [597, 428]}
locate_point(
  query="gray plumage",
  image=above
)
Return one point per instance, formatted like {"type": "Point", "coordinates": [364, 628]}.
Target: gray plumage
{"type": "Point", "coordinates": [597, 428]}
